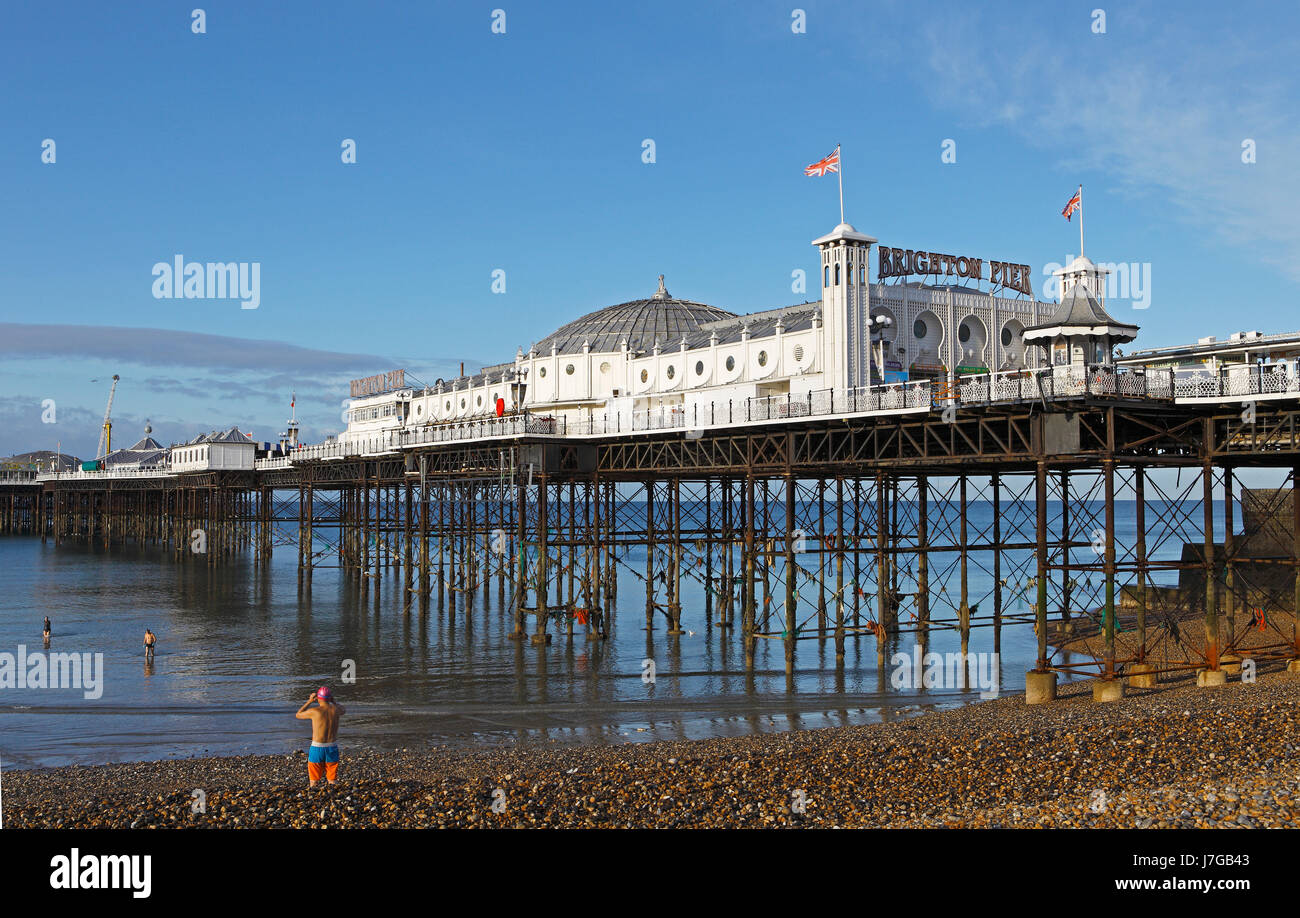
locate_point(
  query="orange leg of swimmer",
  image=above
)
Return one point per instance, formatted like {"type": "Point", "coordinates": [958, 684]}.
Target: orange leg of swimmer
{"type": "Point", "coordinates": [315, 770]}
{"type": "Point", "coordinates": [332, 772]}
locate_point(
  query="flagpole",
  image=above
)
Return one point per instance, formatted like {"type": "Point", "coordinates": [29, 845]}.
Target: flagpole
{"type": "Point", "coordinates": [840, 173]}
{"type": "Point", "coordinates": [1080, 221]}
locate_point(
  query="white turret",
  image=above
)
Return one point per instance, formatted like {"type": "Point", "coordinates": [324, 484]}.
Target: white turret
{"type": "Point", "coordinates": [1083, 270]}
{"type": "Point", "coordinates": [846, 342]}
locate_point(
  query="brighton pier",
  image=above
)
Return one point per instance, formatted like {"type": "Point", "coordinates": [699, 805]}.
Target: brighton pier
{"type": "Point", "coordinates": [812, 467]}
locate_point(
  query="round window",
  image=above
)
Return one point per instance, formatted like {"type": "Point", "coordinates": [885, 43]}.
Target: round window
{"type": "Point", "coordinates": [731, 363]}
{"type": "Point", "coordinates": [448, 408]}
{"type": "Point", "coordinates": [699, 368]}
{"type": "Point", "coordinates": [672, 371]}
{"type": "Point", "coordinates": [568, 371]}
{"type": "Point", "coordinates": [604, 367]}
{"type": "Point", "coordinates": [645, 375]}
{"type": "Point", "coordinates": [919, 330]}
{"type": "Point", "coordinates": [1006, 337]}
{"type": "Point", "coordinates": [963, 333]}
{"type": "Point", "coordinates": [462, 404]}
{"type": "Point", "coordinates": [478, 402]}
{"type": "Point", "coordinates": [762, 358]}
{"type": "Point", "coordinates": [541, 371]}
{"type": "Point", "coordinates": [798, 353]}
{"type": "Point", "coordinates": [419, 410]}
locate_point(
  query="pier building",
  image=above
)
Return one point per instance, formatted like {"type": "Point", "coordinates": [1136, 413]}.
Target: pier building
{"type": "Point", "coordinates": [217, 450]}
{"type": "Point", "coordinates": [680, 360]}
{"type": "Point", "coordinates": [812, 467]}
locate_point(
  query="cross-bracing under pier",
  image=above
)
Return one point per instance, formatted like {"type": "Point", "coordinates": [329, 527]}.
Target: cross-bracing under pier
{"type": "Point", "coordinates": [830, 530]}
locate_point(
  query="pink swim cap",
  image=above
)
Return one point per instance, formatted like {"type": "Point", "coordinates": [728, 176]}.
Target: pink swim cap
{"type": "Point", "coordinates": [323, 692]}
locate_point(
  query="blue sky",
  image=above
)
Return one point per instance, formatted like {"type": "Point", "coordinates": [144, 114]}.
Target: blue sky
{"type": "Point", "coordinates": [523, 152]}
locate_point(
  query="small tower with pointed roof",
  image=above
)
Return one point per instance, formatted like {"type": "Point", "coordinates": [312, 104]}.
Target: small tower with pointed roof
{"type": "Point", "coordinates": [1080, 333]}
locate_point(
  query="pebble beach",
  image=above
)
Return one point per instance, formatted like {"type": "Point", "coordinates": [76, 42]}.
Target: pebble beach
{"type": "Point", "coordinates": [1173, 756]}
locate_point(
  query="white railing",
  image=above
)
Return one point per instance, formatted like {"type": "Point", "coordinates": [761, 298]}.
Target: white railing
{"type": "Point", "coordinates": [403, 438]}
{"type": "Point", "coordinates": [99, 474]}
{"type": "Point", "coordinates": [891, 397]}
{"type": "Point", "coordinates": [656, 419]}
{"type": "Point", "coordinates": [790, 407]}
{"type": "Point", "coordinates": [1235, 382]}
{"type": "Point", "coordinates": [1068, 381]}
{"type": "Point", "coordinates": [18, 476]}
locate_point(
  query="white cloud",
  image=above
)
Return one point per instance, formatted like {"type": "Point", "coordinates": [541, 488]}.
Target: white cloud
{"type": "Point", "coordinates": [1160, 105]}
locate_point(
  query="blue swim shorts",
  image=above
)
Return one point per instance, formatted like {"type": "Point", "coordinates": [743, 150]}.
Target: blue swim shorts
{"type": "Point", "coordinates": [323, 755]}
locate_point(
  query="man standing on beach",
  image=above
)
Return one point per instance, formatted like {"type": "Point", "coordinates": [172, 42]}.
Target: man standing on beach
{"type": "Point", "coordinates": [323, 756]}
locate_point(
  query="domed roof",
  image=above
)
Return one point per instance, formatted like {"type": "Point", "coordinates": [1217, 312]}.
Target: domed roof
{"type": "Point", "coordinates": [1081, 265]}
{"type": "Point", "coordinates": [641, 322]}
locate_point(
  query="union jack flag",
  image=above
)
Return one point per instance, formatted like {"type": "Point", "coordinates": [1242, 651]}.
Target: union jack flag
{"type": "Point", "coordinates": [1073, 204]}
{"type": "Point", "coordinates": [822, 166]}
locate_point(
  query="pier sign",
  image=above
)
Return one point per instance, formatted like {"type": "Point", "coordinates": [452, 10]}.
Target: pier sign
{"type": "Point", "coordinates": [380, 382]}
{"type": "Point", "coordinates": [902, 262]}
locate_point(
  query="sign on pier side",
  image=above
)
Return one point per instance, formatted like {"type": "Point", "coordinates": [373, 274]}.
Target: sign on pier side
{"type": "Point", "coordinates": [380, 382]}
{"type": "Point", "coordinates": [902, 262]}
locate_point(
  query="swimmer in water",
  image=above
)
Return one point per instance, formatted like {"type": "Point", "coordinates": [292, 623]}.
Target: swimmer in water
{"type": "Point", "coordinates": [323, 755]}
{"type": "Point", "coordinates": [150, 640]}
{"type": "Point", "coordinates": [45, 634]}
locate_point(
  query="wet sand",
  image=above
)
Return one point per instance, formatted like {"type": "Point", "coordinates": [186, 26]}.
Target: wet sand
{"type": "Point", "coordinates": [1174, 756]}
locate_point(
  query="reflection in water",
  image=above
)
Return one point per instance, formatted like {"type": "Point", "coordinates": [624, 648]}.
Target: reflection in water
{"type": "Point", "coordinates": [240, 643]}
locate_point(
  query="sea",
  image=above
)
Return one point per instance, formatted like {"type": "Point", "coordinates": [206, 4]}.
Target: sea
{"type": "Point", "coordinates": [241, 646]}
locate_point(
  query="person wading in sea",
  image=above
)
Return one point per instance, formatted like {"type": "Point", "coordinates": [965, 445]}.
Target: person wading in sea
{"type": "Point", "coordinates": [45, 634]}
{"type": "Point", "coordinates": [323, 756]}
{"type": "Point", "coordinates": [150, 640]}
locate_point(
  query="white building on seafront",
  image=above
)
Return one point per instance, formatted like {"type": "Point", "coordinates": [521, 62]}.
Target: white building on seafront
{"type": "Point", "coordinates": [679, 356]}
{"type": "Point", "coordinates": [219, 450]}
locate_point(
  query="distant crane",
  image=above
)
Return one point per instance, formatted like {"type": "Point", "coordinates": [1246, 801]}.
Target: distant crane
{"type": "Point", "coordinates": [106, 433]}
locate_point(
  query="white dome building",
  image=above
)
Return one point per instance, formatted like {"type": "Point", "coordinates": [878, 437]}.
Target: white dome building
{"type": "Point", "coordinates": [686, 362]}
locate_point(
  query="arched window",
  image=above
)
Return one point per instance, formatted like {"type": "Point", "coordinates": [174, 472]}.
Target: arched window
{"type": "Point", "coordinates": [826, 276]}
{"type": "Point", "coordinates": [837, 275]}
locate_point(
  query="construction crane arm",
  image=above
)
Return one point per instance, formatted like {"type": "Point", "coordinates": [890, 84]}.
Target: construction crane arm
{"type": "Point", "coordinates": [103, 430]}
